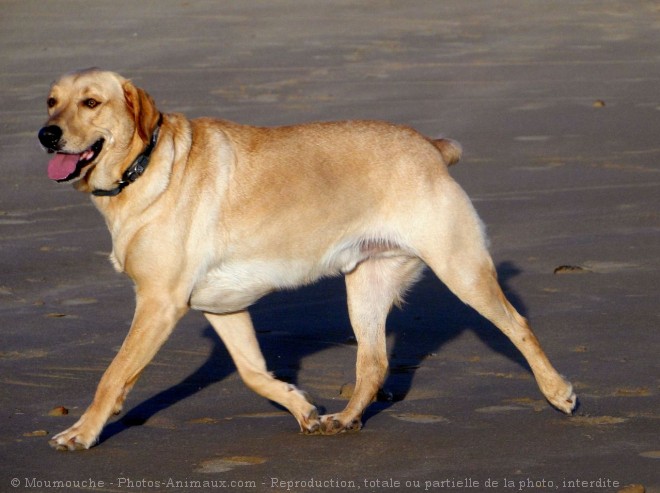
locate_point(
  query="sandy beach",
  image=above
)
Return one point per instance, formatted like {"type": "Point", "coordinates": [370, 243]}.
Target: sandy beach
{"type": "Point", "coordinates": [557, 106]}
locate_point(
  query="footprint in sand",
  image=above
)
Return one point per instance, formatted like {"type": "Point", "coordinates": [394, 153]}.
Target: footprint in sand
{"type": "Point", "coordinates": [420, 418]}
{"type": "Point", "coordinates": [212, 466]}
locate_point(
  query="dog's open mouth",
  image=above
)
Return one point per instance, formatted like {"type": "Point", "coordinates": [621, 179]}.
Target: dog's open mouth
{"type": "Point", "coordinates": [65, 167]}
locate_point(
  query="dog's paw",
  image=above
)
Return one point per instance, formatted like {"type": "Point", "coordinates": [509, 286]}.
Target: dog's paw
{"type": "Point", "coordinates": [563, 398]}
{"type": "Point", "coordinates": [302, 406]}
{"type": "Point", "coordinates": [310, 424]}
{"type": "Point", "coordinates": [75, 438]}
{"type": "Point", "coordinates": [332, 424]}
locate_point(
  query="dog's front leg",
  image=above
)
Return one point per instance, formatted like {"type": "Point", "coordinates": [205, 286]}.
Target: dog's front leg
{"type": "Point", "coordinates": [153, 323]}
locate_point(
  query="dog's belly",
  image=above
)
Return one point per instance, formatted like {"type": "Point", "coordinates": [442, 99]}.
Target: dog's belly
{"type": "Point", "coordinates": [237, 285]}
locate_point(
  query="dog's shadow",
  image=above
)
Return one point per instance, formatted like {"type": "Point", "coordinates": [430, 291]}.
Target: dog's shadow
{"type": "Point", "coordinates": [431, 317]}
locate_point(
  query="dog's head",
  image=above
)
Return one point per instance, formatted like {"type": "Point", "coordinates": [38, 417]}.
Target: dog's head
{"type": "Point", "coordinates": [97, 123]}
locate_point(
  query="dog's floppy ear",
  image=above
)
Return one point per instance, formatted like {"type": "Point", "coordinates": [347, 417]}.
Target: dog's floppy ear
{"type": "Point", "coordinates": [143, 108]}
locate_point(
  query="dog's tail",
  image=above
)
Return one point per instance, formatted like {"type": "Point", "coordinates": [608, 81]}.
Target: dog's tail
{"type": "Point", "coordinates": [450, 150]}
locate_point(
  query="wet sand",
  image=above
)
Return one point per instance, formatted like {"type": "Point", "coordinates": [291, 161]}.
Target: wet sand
{"type": "Point", "coordinates": [557, 108]}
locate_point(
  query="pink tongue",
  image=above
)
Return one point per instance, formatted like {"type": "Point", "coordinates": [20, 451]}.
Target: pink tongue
{"type": "Point", "coordinates": [62, 165]}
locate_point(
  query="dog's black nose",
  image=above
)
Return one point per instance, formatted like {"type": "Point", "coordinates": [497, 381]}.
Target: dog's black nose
{"type": "Point", "coordinates": [50, 137]}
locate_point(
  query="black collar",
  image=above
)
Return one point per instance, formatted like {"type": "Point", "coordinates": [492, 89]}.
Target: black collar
{"type": "Point", "coordinates": [135, 170]}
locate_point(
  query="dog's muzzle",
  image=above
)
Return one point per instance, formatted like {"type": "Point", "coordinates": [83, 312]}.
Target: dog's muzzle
{"type": "Point", "coordinates": [65, 166]}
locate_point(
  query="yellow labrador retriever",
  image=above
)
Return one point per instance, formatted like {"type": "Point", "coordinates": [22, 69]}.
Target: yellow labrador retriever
{"type": "Point", "coordinates": [212, 215]}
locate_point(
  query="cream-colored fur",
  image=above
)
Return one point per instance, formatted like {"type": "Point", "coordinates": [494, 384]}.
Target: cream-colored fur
{"type": "Point", "coordinates": [226, 213]}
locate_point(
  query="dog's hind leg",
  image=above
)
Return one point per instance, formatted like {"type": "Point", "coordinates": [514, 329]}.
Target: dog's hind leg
{"type": "Point", "coordinates": [484, 294]}
{"type": "Point", "coordinates": [237, 333]}
{"type": "Point", "coordinates": [457, 254]}
{"type": "Point", "coordinates": [371, 289]}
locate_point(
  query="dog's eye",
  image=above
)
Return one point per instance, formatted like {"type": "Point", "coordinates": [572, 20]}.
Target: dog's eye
{"type": "Point", "coordinates": [91, 102]}
{"type": "Point", "coordinates": [51, 102]}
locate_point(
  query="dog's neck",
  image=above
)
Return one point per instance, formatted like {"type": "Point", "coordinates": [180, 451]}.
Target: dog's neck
{"type": "Point", "coordinates": [136, 169]}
